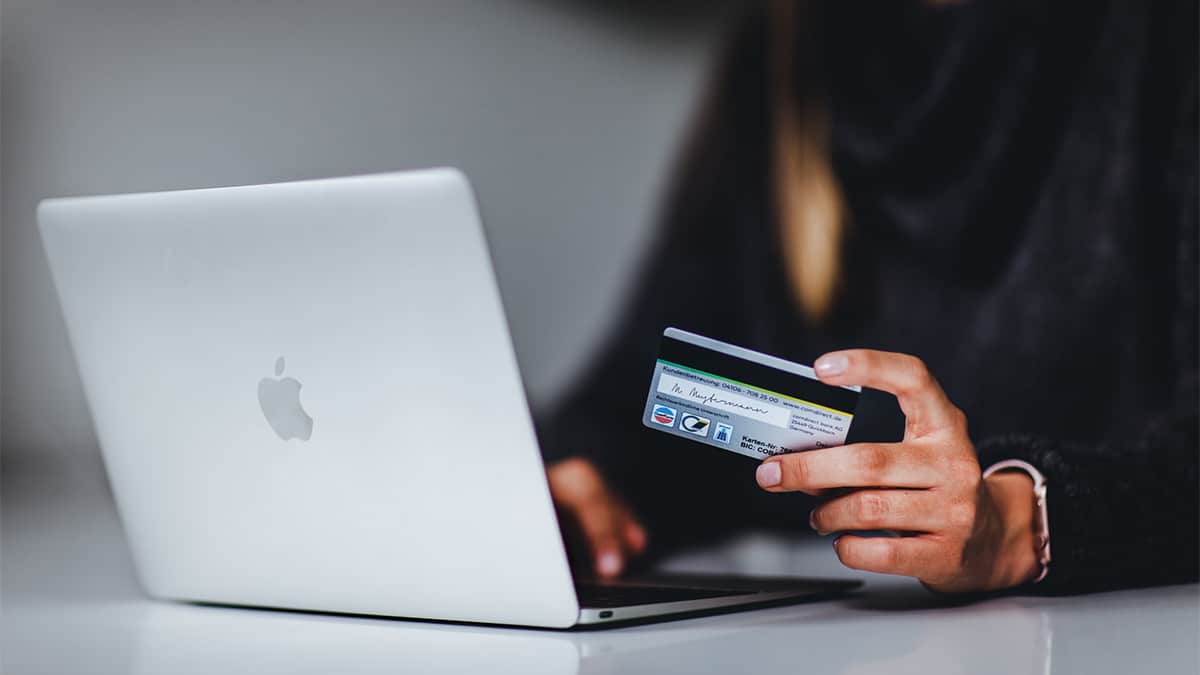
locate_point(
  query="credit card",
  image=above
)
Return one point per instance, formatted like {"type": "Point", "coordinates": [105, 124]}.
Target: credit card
{"type": "Point", "coordinates": [744, 401]}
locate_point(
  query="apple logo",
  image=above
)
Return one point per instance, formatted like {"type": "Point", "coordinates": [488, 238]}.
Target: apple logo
{"type": "Point", "coordinates": [279, 398]}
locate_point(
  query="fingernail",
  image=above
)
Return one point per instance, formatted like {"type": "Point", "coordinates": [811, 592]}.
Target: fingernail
{"type": "Point", "coordinates": [831, 364]}
{"type": "Point", "coordinates": [835, 543]}
{"type": "Point", "coordinates": [768, 474]}
{"type": "Point", "coordinates": [812, 519]}
{"type": "Point", "coordinates": [609, 564]}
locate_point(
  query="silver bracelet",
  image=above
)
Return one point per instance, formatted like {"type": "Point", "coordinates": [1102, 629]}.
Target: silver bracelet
{"type": "Point", "coordinates": [1042, 533]}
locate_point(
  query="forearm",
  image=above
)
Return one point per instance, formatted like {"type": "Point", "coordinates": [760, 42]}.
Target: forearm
{"type": "Point", "coordinates": [1017, 561]}
{"type": "Point", "coordinates": [1120, 514]}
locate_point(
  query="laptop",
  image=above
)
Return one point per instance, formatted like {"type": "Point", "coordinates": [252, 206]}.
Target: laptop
{"type": "Point", "coordinates": [306, 397]}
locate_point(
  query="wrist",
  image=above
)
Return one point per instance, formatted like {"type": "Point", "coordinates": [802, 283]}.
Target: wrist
{"type": "Point", "coordinates": [1016, 555]}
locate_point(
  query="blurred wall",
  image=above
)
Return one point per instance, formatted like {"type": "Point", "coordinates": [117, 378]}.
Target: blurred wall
{"type": "Point", "coordinates": [565, 115]}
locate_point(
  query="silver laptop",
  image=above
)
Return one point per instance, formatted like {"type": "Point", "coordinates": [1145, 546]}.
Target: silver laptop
{"type": "Point", "coordinates": [306, 397]}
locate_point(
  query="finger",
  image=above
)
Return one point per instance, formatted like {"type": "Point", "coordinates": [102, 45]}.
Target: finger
{"type": "Point", "coordinates": [602, 527]}
{"type": "Point", "coordinates": [908, 465]}
{"type": "Point", "coordinates": [574, 482]}
{"type": "Point", "coordinates": [608, 527]}
{"type": "Point", "coordinates": [910, 556]}
{"type": "Point", "coordinates": [904, 510]}
{"type": "Point", "coordinates": [919, 394]}
{"type": "Point", "coordinates": [634, 534]}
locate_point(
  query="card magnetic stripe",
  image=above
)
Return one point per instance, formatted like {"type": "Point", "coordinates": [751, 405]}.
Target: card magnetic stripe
{"type": "Point", "coordinates": [757, 375]}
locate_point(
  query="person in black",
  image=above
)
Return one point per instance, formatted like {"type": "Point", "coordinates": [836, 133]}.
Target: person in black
{"type": "Point", "coordinates": [1006, 191]}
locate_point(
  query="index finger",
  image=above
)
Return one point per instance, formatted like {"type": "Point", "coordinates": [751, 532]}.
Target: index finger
{"type": "Point", "coordinates": [919, 394]}
{"type": "Point", "coordinates": [894, 465]}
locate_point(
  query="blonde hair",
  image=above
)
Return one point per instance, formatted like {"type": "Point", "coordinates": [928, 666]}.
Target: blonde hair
{"type": "Point", "coordinates": [809, 204]}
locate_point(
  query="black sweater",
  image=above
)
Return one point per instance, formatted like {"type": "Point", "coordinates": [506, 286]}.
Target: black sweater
{"type": "Point", "coordinates": [1023, 188]}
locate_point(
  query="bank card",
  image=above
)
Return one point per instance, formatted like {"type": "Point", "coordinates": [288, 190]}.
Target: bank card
{"type": "Point", "coordinates": [744, 401]}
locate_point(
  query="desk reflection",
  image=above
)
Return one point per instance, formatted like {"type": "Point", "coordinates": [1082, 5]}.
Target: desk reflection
{"type": "Point", "coordinates": [81, 614]}
{"type": "Point", "coordinates": [821, 637]}
{"type": "Point", "coordinates": [186, 639]}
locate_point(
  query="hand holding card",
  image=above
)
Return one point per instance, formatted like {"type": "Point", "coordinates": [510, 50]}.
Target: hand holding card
{"type": "Point", "coordinates": [962, 532]}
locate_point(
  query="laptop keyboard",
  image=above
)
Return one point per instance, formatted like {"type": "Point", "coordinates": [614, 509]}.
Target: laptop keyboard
{"type": "Point", "coordinates": [624, 595]}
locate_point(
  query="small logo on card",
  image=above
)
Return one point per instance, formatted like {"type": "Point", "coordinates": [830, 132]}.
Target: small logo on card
{"type": "Point", "coordinates": [723, 432]}
{"type": "Point", "coordinates": [663, 415]}
{"type": "Point", "coordinates": [694, 424]}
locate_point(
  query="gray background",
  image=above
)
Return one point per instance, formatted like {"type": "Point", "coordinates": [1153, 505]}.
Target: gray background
{"type": "Point", "coordinates": [566, 115]}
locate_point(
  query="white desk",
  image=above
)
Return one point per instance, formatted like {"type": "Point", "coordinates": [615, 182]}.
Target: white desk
{"type": "Point", "coordinates": [70, 606]}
